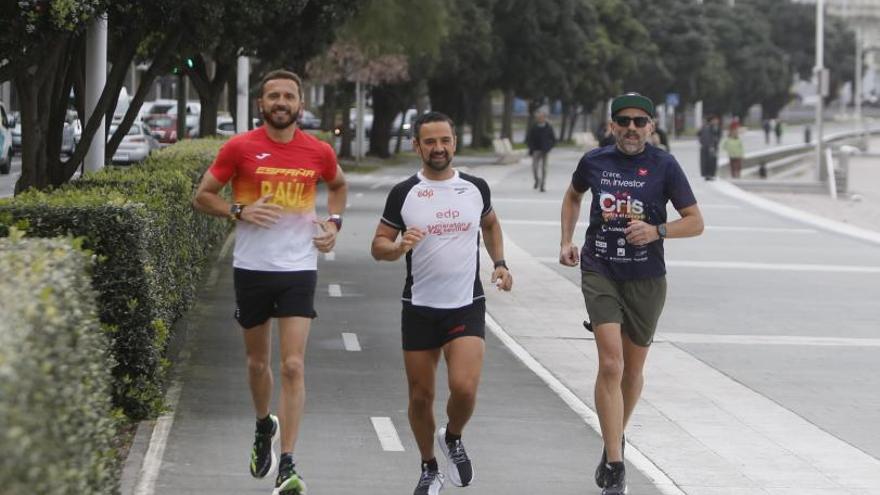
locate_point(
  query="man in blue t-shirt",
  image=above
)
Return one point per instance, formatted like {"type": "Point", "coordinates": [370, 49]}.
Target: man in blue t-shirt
{"type": "Point", "coordinates": [622, 266]}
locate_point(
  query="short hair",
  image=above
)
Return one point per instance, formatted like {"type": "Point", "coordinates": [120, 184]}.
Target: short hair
{"type": "Point", "coordinates": [432, 117]}
{"type": "Point", "coordinates": [281, 74]}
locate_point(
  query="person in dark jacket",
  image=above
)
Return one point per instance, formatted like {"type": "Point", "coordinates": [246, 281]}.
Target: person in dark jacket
{"type": "Point", "coordinates": [710, 136]}
{"type": "Point", "coordinates": [540, 141]}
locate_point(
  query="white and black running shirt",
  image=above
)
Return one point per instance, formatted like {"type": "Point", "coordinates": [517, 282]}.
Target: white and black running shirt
{"type": "Point", "coordinates": [442, 271]}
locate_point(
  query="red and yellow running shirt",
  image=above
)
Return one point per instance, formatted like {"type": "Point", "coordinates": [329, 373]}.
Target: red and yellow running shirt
{"type": "Point", "coordinates": [258, 166]}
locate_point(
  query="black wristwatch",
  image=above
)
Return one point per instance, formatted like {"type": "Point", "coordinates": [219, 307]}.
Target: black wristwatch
{"type": "Point", "coordinates": [661, 230]}
{"type": "Point", "coordinates": [235, 211]}
{"type": "Point", "coordinates": [501, 263]}
{"type": "Point", "coordinates": [337, 219]}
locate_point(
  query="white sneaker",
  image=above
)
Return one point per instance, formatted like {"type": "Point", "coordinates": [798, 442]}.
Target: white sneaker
{"type": "Point", "coordinates": [430, 482]}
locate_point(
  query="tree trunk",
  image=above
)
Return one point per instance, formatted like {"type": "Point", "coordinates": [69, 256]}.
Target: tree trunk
{"type": "Point", "coordinates": [448, 99]}
{"type": "Point", "coordinates": [384, 110]}
{"type": "Point", "coordinates": [346, 95]}
{"type": "Point", "coordinates": [563, 126]}
{"type": "Point", "coordinates": [209, 89]}
{"type": "Point", "coordinates": [507, 115]}
{"type": "Point", "coordinates": [328, 109]}
{"type": "Point", "coordinates": [479, 138]}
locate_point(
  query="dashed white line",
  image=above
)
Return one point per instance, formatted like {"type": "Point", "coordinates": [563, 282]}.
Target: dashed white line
{"type": "Point", "coordinates": [335, 290]}
{"type": "Point", "coordinates": [350, 341]}
{"type": "Point", "coordinates": [330, 256]}
{"type": "Point", "coordinates": [387, 434]}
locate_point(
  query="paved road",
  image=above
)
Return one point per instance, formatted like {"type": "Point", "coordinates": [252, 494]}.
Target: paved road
{"type": "Point", "coordinates": [760, 381]}
{"type": "Point", "coordinates": [7, 182]}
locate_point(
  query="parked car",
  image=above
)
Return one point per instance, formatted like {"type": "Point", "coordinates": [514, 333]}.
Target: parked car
{"type": "Point", "coordinates": [164, 129]}
{"type": "Point", "coordinates": [225, 125]}
{"type": "Point", "coordinates": [5, 141]}
{"type": "Point", "coordinates": [352, 115]}
{"type": "Point", "coordinates": [16, 137]}
{"type": "Point", "coordinates": [135, 146]}
{"type": "Point", "coordinates": [308, 120]}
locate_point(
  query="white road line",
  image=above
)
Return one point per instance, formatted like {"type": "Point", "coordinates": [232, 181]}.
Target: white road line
{"type": "Point", "coordinates": [790, 340]}
{"type": "Point", "coordinates": [330, 256]}
{"type": "Point", "coordinates": [801, 216]}
{"type": "Point", "coordinates": [215, 270]}
{"type": "Point", "coordinates": [790, 267]}
{"type": "Point", "coordinates": [335, 290]}
{"type": "Point", "coordinates": [359, 195]}
{"type": "Point", "coordinates": [350, 340]}
{"type": "Point", "coordinates": [149, 472]}
{"type": "Point", "coordinates": [387, 434]}
{"type": "Point", "coordinates": [642, 463]}
{"type": "Point", "coordinates": [719, 228]}
{"type": "Point", "coordinates": [744, 265]}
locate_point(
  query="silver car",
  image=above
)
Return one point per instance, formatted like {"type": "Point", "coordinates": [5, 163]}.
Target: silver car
{"type": "Point", "coordinates": [135, 146]}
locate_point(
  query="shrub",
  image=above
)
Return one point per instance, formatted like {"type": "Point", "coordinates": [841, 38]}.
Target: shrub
{"type": "Point", "coordinates": [54, 373]}
{"type": "Point", "coordinates": [152, 249]}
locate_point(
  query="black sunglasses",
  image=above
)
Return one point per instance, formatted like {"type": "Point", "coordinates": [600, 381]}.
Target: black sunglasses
{"type": "Point", "coordinates": [623, 121]}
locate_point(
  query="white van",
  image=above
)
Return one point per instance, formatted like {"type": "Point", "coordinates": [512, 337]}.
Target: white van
{"type": "Point", "coordinates": [5, 141]}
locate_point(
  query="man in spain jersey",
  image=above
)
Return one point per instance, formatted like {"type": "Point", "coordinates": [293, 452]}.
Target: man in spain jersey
{"type": "Point", "coordinates": [275, 170]}
{"type": "Point", "coordinates": [623, 272]}
{"type": "Point", "coordinates": [435, 219]}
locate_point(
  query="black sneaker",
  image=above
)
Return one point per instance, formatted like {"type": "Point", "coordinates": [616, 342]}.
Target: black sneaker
{"type": "Point", "coordinates": [430, 481]}
{"type": "Point", "coordinates": [263, 458]}
{"type": "Point", "coordinates": [289, 482]}
{"type": "Point", "coordinates": [601, 472]}
{"type": "Point", "coordinates": [615, 479]}
{"type": "Point", "coordinates": [458, 466]}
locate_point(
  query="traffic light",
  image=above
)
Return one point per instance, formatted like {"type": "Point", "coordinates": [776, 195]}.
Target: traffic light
{"type": "Point", "coordinates": [190, 63]}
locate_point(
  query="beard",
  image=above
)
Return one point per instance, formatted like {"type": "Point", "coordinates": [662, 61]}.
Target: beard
{"type": "Point", "coordinates": [279, 117]}
{"type": "Point", "coordinates": [438, 162]}
{"type": "Point", "coordinates": [630, 146]}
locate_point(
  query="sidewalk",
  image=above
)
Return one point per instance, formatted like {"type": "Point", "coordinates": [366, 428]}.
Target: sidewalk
{"type": "Point", "coordinates": [861, 209]}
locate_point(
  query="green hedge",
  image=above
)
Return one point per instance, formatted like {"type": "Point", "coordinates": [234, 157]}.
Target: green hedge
{"type": "Point", "coordinates": [56, 426]}
{"type": "Point", "coordinates": [152, 248]}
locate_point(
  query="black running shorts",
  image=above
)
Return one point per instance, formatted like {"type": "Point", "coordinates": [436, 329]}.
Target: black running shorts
{"type": "Point", "coordinates": [424, 328]}
{"type": "Point", "coordinates": [261, 295]}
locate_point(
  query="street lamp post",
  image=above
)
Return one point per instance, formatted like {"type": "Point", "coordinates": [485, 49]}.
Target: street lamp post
{"type": "Point", "coordinates": [819, 71]}
{"type": "Point", "coordinates": [858, 79]}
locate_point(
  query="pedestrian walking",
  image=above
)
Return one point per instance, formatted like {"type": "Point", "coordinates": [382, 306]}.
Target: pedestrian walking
{"type": "Point", "coordinates": [275, 170]}
{"type": "Point", "coordinates": [540, 140]}
{"type": "Point", "coordinates": [709, 136]}
{"type": "Point", "coordinates": [778, 129]}
{"type": "Point", "coordinates": [434, 219]}
{"type": "Point", "coordinates": [733, 146]}
{"type": "Point", "coordinates": [622, 265]}
{"type": "Point", "coordinates": [768, 128]}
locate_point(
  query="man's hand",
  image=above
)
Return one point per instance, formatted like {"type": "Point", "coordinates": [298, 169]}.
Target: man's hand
{"type": "Point", "coordinates": [261, 212]}
{"type": "Point", "coordinates": [409, 239]}
{"type": "Point", "coordinates": [569, 254]}
{"type": "Point", "coordinates": [640, 233]}
{"type": "Point", "coordinates": [502, 278]}
{"type": "Point", "coordinates": [326, 238]}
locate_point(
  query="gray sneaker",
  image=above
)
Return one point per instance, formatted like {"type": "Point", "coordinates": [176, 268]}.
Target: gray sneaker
{"type": "Point", "coordinates": [459, 468]}
{"type": "Point", "coordinates": [430, 482]}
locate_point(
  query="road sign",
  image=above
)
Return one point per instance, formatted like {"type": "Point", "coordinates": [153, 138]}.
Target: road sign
{"type": "Point", "coordinates": [672, 99]}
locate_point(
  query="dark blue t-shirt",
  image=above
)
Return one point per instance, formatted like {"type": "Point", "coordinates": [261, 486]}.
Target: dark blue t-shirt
{"type": "Point", "coordinates": [628, 187]}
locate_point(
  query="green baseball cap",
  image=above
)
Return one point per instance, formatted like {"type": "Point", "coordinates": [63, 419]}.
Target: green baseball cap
{"type": "Point", "coordinates": [632, 100]}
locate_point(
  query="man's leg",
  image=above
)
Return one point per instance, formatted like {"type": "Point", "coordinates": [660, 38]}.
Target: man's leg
{"type": "Point", "coordinates": [421, 369]}
{"type": "Point", "coordinates": [608, 391]}
{"type": "Point", "coordinates": [536, 156]}
{"type": "Point", "coordinates": [259, 352]}
{"type": "Point", "coordinates": [634, 357]}
{"type": "Point", "coordinates": [464, 363]}
{"type": "Point", "coordinates": [294, 332]}
{"type": "Point", "coordinates": [543, 169]}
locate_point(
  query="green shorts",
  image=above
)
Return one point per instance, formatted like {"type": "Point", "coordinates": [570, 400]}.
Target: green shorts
{"type": "Point", "coordinates": [634, 304]}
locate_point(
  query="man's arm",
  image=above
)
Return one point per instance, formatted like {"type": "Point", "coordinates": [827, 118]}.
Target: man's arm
{"type": "Point", "coordinates": [386, 245]}
{"type": "Point", "coordinates": [571, 211]}
{"type": "Point", "coordinates": [689, 225]}
{"type": "Point", "coordinates": [493, 238]}
{"type": "Point", "coordinates": [207, 199]}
